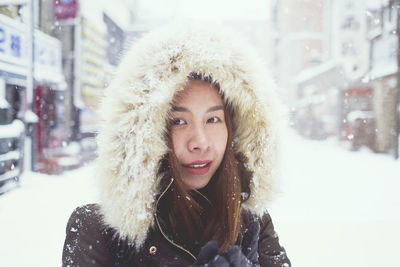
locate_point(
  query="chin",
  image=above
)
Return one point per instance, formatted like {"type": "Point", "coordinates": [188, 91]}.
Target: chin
{"type": "Point", "coordinates": [197, 185]}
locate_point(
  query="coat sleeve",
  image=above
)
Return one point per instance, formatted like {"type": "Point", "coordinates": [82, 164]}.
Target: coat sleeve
{"type": "Point", "coordinates": [86, 239]}
{"type": "Point", "coordinates": [271, 253]}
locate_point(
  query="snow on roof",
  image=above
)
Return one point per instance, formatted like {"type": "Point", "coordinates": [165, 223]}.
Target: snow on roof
{"type": "Point", "coordinates": [14, 129]}
{"type": "Point", "coordinates": [309, 73]}
{"type": "Point", "coordinates": [31, 117]}
{"type": "Point", "coordinates": [376, 4]}
{"type": "Point", "coordinates": [382, 71]}
{"type": "Point", "coordinates": [359, 114]}
{"type": "Point", "coordinates": [3, 103]}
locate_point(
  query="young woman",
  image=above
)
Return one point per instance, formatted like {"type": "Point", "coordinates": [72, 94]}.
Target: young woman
{"type": "Point", "coordinates": [188, 152]}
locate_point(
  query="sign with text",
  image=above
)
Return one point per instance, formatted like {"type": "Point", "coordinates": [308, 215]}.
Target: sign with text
{"type": "Point", "coordinates": [13, 41]}
{"type": "Point", "coordinates": [47, 53]}
{"type": "Point", "coordinates": [65, 9]}
{"type": "Point", "coordinates": [14, 44]}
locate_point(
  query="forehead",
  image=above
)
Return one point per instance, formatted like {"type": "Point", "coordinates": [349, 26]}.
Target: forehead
{"type": "Point", "coordinates": [198, 91]}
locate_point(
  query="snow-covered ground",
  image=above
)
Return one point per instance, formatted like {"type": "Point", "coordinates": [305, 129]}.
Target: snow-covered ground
{"type": "Point", "coordinates": [33, 217]}
{"type": "Point", "coordinates": [338, 208]}
{"type": "Point", "coordinates": [334, 208]}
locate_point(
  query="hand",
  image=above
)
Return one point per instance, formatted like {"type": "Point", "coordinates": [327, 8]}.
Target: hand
{"type": "Point", "coordinates": [235, 256]}
{"type": "Point", "coordinates": [208, 256]}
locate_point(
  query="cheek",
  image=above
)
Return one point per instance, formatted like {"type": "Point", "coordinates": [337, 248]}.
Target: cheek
{"type": "Point", "coordinates": [177, 143]}
{"type": "Point", "coordinates": [221, 138]}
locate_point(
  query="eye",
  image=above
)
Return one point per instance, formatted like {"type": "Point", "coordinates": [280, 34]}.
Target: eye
{"type": "Point", "coordinates": [213, 120]}
{"type": "Point", "coordinates": [178, 122]}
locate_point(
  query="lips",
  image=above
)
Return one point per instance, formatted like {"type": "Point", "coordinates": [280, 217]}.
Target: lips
{"type": "Point", "coordinates": [198, 167]}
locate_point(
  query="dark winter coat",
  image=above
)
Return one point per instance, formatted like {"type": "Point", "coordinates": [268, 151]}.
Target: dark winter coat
{"type": "Point", "coordinates": [132, 143]}
{"type": "Point", "coordinates": [90, 243]}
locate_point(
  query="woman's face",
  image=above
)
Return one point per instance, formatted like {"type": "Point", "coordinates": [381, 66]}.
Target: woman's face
{"type": "Point", "coordinates": [199, 133]}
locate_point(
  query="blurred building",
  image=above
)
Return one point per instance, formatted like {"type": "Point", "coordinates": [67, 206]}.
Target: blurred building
{"type": "Point", "coordinates": [56, 57]}
{"type": "Point", "coordinates": [92, 40]}
{"type": "Point", "coordinates": [27, 69]}
{"type": "Point", "coordinates": [338, 61]}
{"type": "Point", "coordinates": [301, 39]}
{"type": "Point", "coordinates": [383, 76]}
{"type": "Point", "coordinates": [351, 49]}
{"type": "Point", "coordinates": [304, 65]}
{"type": "Point", "coordinates": [368, 47]}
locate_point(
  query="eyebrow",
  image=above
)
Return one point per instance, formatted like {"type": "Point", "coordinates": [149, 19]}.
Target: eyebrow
{"type": "Point", "coordinates": [183, 109]}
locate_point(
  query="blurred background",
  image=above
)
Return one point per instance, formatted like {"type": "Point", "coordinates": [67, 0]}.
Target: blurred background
{"type": "Point", "coordinates": [337, 67]}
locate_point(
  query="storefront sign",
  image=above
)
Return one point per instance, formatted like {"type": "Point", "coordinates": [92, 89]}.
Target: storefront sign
{"type": "Point", "coordinates": [47, 54]}
{"type": "Point", "coordinates": [13, 41]}
{"type": "Point", "coordinates": [65, 9]}
{"type": "Point", "coordinates": [384, 55]}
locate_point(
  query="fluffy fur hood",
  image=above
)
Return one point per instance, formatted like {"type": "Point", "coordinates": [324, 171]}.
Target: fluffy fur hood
{"type": "Point", "coordinates": [135, 109]}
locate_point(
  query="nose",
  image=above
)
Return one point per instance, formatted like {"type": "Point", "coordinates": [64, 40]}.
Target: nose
{"type": "Point", "coordinates": [199, 140]}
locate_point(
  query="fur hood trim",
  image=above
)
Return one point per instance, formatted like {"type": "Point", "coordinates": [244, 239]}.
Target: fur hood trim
{"type": "Point", "coordinates": [135, 109]}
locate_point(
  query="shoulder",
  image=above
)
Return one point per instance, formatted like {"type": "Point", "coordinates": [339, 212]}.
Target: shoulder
{"type": "Point", "coordinates": [86, 226]}
{"type": "Point", "coordinates": [265, 221]}
{"type": "Point", "coordinates": [85, 216]}
{"type": "Point", "coordinates": [87, 239]}
{"type": "Point", "coordinates": [249, 217]}
{"type": "Point", "coordinates": [267, 230]}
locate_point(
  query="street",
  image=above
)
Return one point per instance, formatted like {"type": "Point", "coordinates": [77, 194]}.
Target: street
{"type": "Point", "coordinates": [338, 208]}
{"type": "Point", "coordinates": [334, 208]}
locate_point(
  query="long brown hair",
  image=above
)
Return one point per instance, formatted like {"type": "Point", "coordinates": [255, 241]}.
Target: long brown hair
{"type": "Point", "coordinates": [197, 220]}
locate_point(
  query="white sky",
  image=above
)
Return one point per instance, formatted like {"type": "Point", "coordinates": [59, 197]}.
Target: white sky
{"type": "Point", "coordinates": [205, 9]}
{"type": "Point", "coordinates": [154, 11]}
{"type": "Point", "coordinates": [93, 10]}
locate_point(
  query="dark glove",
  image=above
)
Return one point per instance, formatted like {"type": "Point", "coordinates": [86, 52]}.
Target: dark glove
{"type": "Point", "coordinates": [247, 256]}
{"type": "Point", "coordinates": [208, 256]}
{"type": "Point", "coordinates": [236, 258]}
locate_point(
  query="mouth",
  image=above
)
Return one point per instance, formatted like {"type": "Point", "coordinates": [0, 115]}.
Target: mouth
{"type": "Point", "coordinates": [198, 167]}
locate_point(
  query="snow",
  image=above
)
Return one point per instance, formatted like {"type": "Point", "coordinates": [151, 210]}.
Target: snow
{"type": "Point", "coordinates": [334, 208]}
{"type": "Point", "coordinates": [375, 4]}
{"type": "Point", "coordinates": [338, 208]}
{"type": "Point", "coordinates": [352, 116]}
{"type": "Point", "coordinates": [3, 103]}
{"type": "Point", "coordinates": [34, 216]}
{"type": "Point", "coordinates": [30, 117]}
{"type": "Point", "coordinates": [9, 156]}
{"type": "Point", "coordinates": [13, 129]}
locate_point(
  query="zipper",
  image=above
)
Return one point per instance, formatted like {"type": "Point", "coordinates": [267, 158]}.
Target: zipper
{"type": "Point", "coordinates": [198, 192]}
{"type": "Point", "coordinates": [159, 227]}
